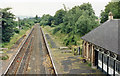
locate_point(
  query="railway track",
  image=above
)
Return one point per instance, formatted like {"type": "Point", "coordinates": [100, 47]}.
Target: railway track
{"type": "Point", "coordinates": [32, 57]}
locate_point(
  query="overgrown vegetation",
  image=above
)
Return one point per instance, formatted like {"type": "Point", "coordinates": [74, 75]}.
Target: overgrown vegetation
{"type": "Point", "coordinates": [4, 57]}
{"type": "Point", "coordinates": [77, 21]}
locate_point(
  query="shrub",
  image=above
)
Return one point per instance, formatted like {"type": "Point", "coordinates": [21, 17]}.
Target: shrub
{"type": "Point", "coordinates": [70, 40]}
{"type": "Point", "coordinates": [16, 30]}
{"type": "Point", "coordinates": [56, 30]}
{"type": "Point", "coordinates": [4, 57]}
{"type": "Point", "coordinates": [27, 25]}
{"type": "Point", "coordinates": [89, 64]}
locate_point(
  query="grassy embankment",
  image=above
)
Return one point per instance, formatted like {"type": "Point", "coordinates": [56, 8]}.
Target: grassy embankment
{"type": "Point", "coordinates": [13, 40]}
{"type": "Point", "coordinates": [59, 37]}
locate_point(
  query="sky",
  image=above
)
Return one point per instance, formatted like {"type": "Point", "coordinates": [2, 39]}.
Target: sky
{"type": "Point", "coordinates": [40, 7]}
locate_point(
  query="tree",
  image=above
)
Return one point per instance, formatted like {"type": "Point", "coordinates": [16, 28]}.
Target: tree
{"type": "Point", "coordinates": [7, 24]}
{"type": "Point", "coordinates": [115, 0]}
{"type": "Point", "coordinates": [85, 24]}
{"type": "Point", "coordinates": [27, 22]}
{"type": "Point", "coordinates": [59, 16]}
{"type": "Point", "coordinates": [77, 21]}
{"type": "Point", "coordinates": [36, 19]}
{"type": "Point", "coordinates": [111, 7]}
{"type": "Point", "coordinates": [46, 20]}
{"type": "Point", "coordinates": [70, 40]}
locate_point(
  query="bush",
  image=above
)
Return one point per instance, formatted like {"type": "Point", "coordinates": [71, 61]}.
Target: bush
{"type": "Point", "coordinates": [89, 64]}
{"type": "Point", "coordinates": [70, 40]}
{"type": "Point", "coordinates": [53, 25]}
{"type": "Point", "coordinates": [4, 57]}
{"type": "Point", "coordinates": [56, 30]}
{"type": "Point", "coordinates": [16, 30]}
{"type": "Point", "coordinates": [27, 25]}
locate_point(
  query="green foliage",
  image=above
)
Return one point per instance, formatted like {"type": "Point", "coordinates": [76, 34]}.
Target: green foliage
{"type": "Point", "coordinates": [77, 21]}
{"type": "Point", "coordinates": [56, 30]}
{"type": "Point", "coordinates": [70, 40]}
{"type": "Point", "coordinates": [115, 0]}
{"type": "Point", "coordinates": [89, 64]}
{"type": "Point", "coordinates": [26, 23]}
{"type": "Point", "coordinates": [4, 57]}
{"type": "Point", "coordinates": [7, 24]}
{"type": "Point", "coordinates": [85, 24]}
{"type": "Point", "coordinates": [113, 7]}
{"type": "Point", "coordinates": [10, 27]}
{"type": "Point", "coordinates": [58, 17]}
{"type": "Point", "coordinates": [16, 30]}
{"type": "Point", "coordinates": [37, 19]}
{"type": "Point", "coordinates": [46, 20]}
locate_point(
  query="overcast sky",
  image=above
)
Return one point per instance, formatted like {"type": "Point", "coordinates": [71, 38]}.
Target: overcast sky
{"type": "Point", "coordinates": [40, 7]}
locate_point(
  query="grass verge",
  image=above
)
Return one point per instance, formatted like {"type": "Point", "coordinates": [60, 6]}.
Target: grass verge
{"type": "Point", "coordinates": [14, 38]}
{"type": "Point", "coordinates": [59, 37]}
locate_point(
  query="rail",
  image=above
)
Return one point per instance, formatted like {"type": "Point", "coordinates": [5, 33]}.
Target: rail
{"type": "Point", "coordinates": [17, 53]}
{"type": "Point", "coordinates": [46, 43]}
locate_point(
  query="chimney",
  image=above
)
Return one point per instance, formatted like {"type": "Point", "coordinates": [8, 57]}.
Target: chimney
{"type": "Point", "coordinates": [110, 16]}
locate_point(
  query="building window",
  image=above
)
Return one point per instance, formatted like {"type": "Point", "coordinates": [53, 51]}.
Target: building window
{"type": "Point", "coordinates": [105, 59]}
{"type": "Point", "coordinates": [100, 56]}
{"type": "Point", "coordinates": [111, 62]}
{"type": "Point", "coordinates": [117, 66]}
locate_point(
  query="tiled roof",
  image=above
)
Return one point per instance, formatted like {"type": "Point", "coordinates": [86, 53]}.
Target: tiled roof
{"type": "Point", "coordinates": [107, 36]}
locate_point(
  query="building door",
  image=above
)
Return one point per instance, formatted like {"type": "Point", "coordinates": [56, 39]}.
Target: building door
{"type": "Point", "coordinates": [100, 60]}
{"type": "Point", "coordinates": [96, 58]}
